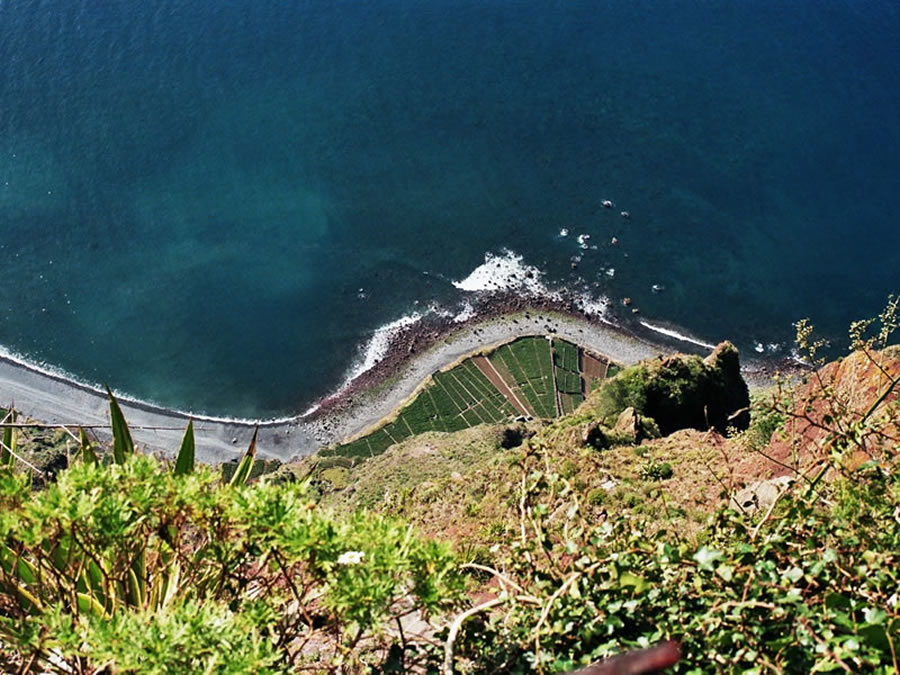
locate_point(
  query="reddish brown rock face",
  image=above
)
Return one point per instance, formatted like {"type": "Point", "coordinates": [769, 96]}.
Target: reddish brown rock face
{"type": "Point", "coordinates": [842, 390]}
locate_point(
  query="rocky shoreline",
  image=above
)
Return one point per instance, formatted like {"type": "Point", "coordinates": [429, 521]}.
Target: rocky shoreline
{"type": "Point", "coordinates": [496, 317]}
{"type": "Point", "coordinates": [420, 336]}
{"type": "Point", "coordinates": [413, 353]}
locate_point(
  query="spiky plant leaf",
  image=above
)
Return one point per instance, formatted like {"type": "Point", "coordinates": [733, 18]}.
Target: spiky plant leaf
{"type": "Point", "coordinates": [134, 593]}
{"type": "Point", "coordinates": [10, 438]}
{"type": "Point", "coordinates": [88, 604]}
{"type": "Point", "coordinates": [123, 446]}
{"type": "Point", "coordinates": [185, 462]}
{"type": "Point", "coordinates": [243, 471]}
{"type": "Point", "coordinates": [88, 456]}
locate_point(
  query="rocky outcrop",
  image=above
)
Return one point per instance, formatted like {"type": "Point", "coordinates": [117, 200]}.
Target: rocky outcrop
{"type": "Point", "coordinates": [635, 426]}
{"type": "Point", "coordinates": [681, 392]}
{"type": "Point", "coordinates": [842, 392]}
{"type": "Point", "coordinates": [726, 390]}
{"type": "Point", "coordinates": [761, 494]}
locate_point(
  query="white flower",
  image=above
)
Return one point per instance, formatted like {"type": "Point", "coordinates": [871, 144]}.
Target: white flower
{"type": "Point", "coordinates": [351, 558]}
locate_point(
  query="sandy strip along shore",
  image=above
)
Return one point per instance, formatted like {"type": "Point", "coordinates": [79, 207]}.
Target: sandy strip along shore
{"type": "Point", "coordinates": [373, 396]}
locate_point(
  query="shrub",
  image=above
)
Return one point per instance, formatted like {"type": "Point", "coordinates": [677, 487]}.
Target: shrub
{"type": "Point", "coordinates": [116, 563]}
{"type": "Point", "coordinates": [596, 497]}
{"type": "Point", "coordinates": [654, 470]}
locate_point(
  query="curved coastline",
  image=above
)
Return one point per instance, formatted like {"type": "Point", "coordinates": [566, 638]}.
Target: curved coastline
{"type": "Point", "coordinates": [415, 352]}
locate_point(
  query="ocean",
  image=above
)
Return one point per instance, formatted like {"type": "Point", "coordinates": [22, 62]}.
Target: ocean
{"type": "Point", "coordinates": [216, 206]}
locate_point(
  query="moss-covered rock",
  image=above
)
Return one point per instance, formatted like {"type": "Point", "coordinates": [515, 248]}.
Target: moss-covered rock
{"type": "Point", "coordinates": [636, 426]}
{"type": "Point", "coordinates": [680, 392]}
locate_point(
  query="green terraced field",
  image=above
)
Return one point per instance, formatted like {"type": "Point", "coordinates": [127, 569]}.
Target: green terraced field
{"type": "Point", "coordinates": [568, 375]}
{"type": "Point", "coordinates": [463, 397]}
{"type": "Point", "coordinates": [528, 363]}
{"type": "Point", "coordinates": [455, 400]}
{"type": "Point", "coordinates": [569, 402]}
{"type": "Point", "coordinates": [566, 355]}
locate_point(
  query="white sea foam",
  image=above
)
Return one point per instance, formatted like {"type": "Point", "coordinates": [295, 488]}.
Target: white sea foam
{"type": "Point", "coordinates": [310, 410]}
{"type": "Point", "coordinates": [466, 313]}
{"type": "Point", "coordinates": [504, 272]}
{"type": "Point", "coordinates": [377, 346]}
{"type": "Point", "coordinates": [47, 370]}
{"type": "Point", "coordinates": [590, 305]}
{"type": "Point", "coordinates": [675, 334]}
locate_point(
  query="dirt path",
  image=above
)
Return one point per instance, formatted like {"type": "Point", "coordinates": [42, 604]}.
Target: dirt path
{"type": "Point", "coordinates": [487, 368]}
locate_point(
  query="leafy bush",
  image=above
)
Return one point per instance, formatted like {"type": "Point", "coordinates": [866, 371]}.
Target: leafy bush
{"type": "Point", "coordinates": [190, 637]}
{"type": "Point", "coordinates": [809, 588]}
{"type": "Point", "coordinates": [766, 419]}
{"type": "Point", "coordinates": [113, 564]}
{"type": "Point", "coordinates": [654, 470]}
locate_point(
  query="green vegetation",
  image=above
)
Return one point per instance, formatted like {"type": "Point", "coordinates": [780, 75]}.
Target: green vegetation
{"type": "Point", "coordinates": [565, 355]}
{"type": "Point", "coordinates": [528, 363]}
{"type": "Point", "coordinates": [455, 400]}
{"type": "Point", "coordinates": [463, 397]}
{"type": "Point", "coordinates": [655, 470]}
{"type": "Point", "coordinates": [43, 450]}
{"type": "Point", "coordinates": [810, 589]}
{"type": "Point", "coordinates": [681, 392]}
{"type": "Point", "coordinates": [809, 584]}
{"type": "Point", "coordinates": [128, 566]}
{"type": "Point", "coordinates": [566, 552]}
{"type": "Point", "coordinates": [568, 375]}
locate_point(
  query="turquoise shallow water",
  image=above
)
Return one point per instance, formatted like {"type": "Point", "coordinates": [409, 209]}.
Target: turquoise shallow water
{"type": "Point", "coordinates": [193, 194]}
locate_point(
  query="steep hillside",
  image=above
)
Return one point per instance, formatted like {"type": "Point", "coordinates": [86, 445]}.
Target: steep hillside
{"type": "Point", "coordinates": [465, 483]}
{"type": "Point", "coordinates": [767, 540]}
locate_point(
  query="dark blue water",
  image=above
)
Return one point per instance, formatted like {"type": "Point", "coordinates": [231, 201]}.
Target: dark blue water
{"type": "Point", "coordinates": [192, 193]}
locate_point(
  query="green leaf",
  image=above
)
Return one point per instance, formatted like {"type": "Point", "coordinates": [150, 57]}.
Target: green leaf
{"type": "Point", "coordinates": [88, 455]}
{"type": "Point", "coordinates": [136, 588]}
{"type": "Point", "coordinates": [705, 557]}
{"type": "Point", "coordinates": [243, 471]}
{"type": "Point", "coordinates": [793, 575]}
{"type": "Point", "coordinates": [123, 446]}
{"type": "Point", "coordinates": [87, 604]}
{"type": "Point", "coordinates": [185, 462]}
{"type": "Point", "coordinates": [633, 580]}
{"type": "Point", "coordinates": [874, 615]}
{"type": "Point", "coordinates": [10, 438]}
{"type": "Point", "coordinates": [726, 572]}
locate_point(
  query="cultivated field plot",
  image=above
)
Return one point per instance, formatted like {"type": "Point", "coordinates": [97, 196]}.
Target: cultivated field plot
{"type": "Point", "coordinates": [527, 367]}
{"type": "Point", "coordinates": [569, 386]}
{"type": "Point", "coordinates": [594, 370]}
{"type": "Point", "coordinates": [454, 400]}
{"type": "Point", "coordinates": [531, 376]}
{"type": "Point", "coordinates": [488, 370]}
